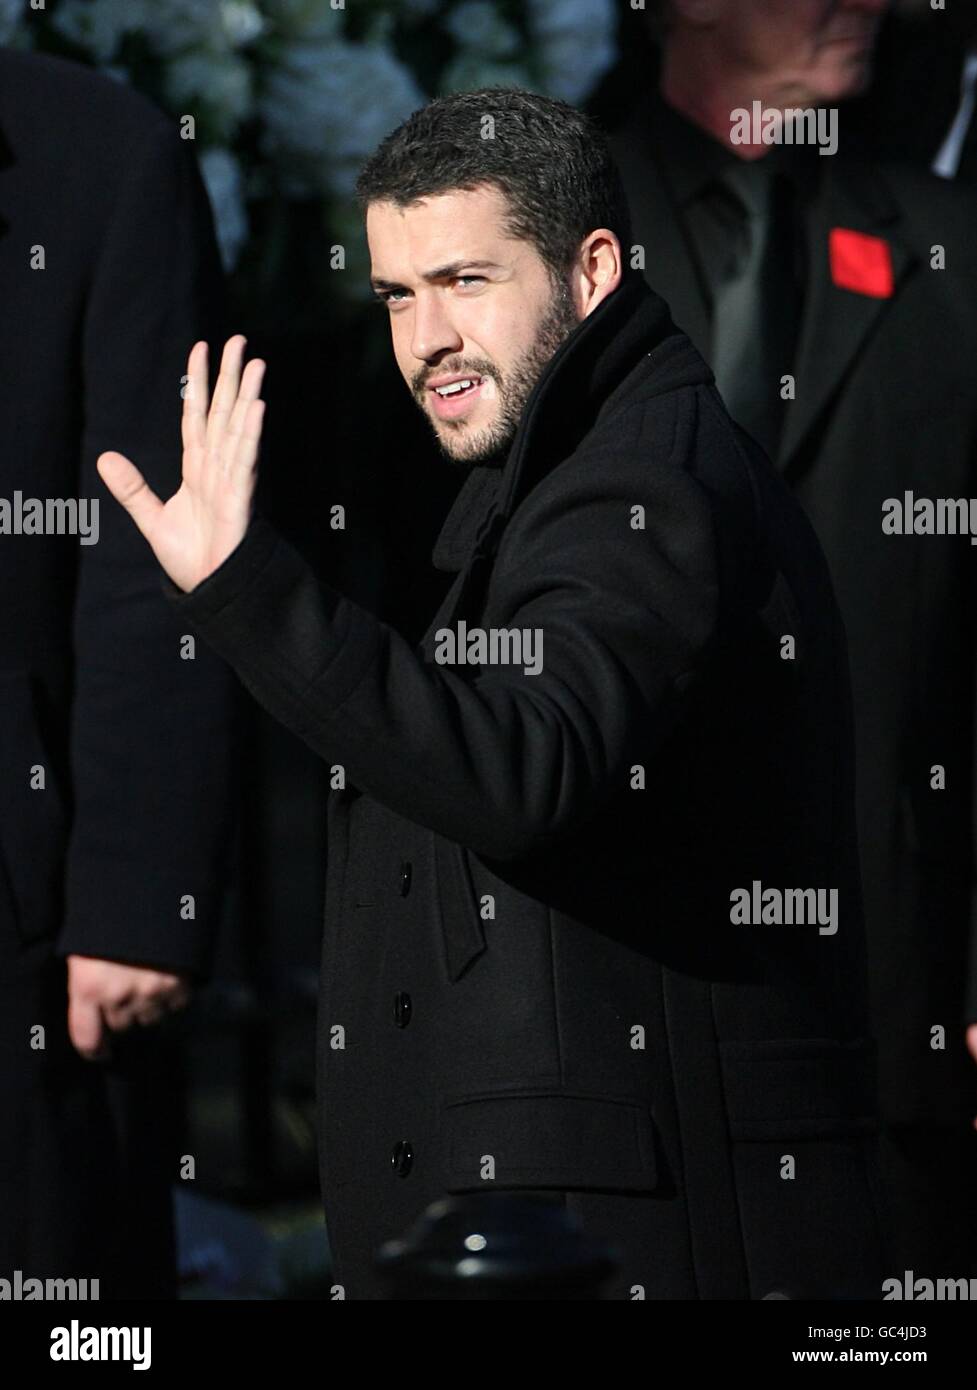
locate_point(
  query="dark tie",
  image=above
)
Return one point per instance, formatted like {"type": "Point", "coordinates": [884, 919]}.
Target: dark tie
{"type": "Point", "coordinates": [756, 305]}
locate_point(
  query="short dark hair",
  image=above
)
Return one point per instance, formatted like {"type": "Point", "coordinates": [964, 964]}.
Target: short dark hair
{"type": "Point", "coordinates": [549, 160]}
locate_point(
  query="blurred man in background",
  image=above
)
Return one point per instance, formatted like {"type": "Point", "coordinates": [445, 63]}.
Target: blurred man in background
{"type": "Point", "coordinates": [115, 734]}
{"type": "Point", "coordinates": [836, 302]}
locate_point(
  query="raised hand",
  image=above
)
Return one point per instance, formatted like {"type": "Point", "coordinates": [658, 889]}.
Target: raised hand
{"type": "Point", "coordinates": [195, 531]}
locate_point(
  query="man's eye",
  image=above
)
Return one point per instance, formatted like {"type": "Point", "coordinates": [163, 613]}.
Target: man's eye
{"type": "Point", "coordinates": [393, 297]}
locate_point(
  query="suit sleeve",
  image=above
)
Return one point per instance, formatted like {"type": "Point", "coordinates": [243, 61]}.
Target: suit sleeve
{"type": "Point", "coordinates": [152, 728]}
{"type": "Point", "coordinates": [500, 760]}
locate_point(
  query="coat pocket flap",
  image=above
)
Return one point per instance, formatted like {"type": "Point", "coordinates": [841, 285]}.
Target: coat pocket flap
{"type": "Point", "coordinates": [461, 925]}
{"type": "Point", "coordinates": [800, 1088]}
{"type": "Point", "coordinates": [547, 1140]}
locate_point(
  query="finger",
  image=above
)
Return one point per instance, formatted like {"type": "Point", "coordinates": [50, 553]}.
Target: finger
{"type": "Point", "coordinates": [249, 391]}
{"type": "Point", "coordinates": [85, 1027]}
{"type": "Point", "coordinates": [225, 392]}
{"type": "Point", "coordinates": [119, 1017]}
{"type": "Point", "coordinates": [193, 424]}
{"type": "Point", "coordinates": [247, 449]}
{"type": "Point", "coordinates": [176, 999]}
{"type": "Point", "coordinates": [149, 1015]}
{"type": "Point", "coordinates": [128, 486]}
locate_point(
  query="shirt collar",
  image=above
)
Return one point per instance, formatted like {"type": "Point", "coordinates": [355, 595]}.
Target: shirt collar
{"type": "Point", "coordinates": [691, 159]}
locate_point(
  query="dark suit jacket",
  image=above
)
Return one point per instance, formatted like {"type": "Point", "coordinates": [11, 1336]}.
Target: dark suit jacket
{"type": "Point", "coordinates": [886, 401]}
{"type": "Point", "coordinates": [134, 739]}
{"type": "Point", "coordinates": [530, 978]}
{"type": "Point", "coordinates": [134, 742]}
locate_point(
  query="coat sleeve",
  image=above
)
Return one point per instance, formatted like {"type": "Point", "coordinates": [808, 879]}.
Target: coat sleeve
{"type": "Point", "coordinates": [151, 731]}
{"type": "Point", "coordinates": [501, 761]}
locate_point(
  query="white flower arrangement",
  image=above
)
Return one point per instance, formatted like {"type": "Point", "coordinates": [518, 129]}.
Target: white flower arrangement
{"type": "Point", "coordinates": [326, 106]}
{"type": "Point", "coordinates": [576, 44]}
{"type": "Point", "coordinates": [290, 96]}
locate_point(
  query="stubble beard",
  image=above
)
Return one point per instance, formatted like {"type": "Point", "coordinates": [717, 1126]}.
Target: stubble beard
{"type": "Point", "coordinates": [465, 448]}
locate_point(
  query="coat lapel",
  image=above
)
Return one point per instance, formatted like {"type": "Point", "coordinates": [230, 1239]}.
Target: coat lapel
{"type": "Point", "coordinates": [460, 547]}
{"type": "Point", "coordinates": [670, 264]}
{"type": "Point", "coordinates": [838, 321]}
{"type": "Point", "coordinates": [466, 518]}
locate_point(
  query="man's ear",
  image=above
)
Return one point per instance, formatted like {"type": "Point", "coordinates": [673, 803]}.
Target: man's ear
{"type": "Point", "coordinates": [598, 270]}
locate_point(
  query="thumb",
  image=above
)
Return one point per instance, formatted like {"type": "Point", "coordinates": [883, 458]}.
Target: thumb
{"type": "Point", "coordinates": [128, 486]}
{"type": "Point", "coordinates": [85, 1027]}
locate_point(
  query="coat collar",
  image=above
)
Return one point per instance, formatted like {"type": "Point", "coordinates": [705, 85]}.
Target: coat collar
{"type": "Point", "coordinates": [473, 505]}
{"type": "Point", "coordinates": [566, 400]}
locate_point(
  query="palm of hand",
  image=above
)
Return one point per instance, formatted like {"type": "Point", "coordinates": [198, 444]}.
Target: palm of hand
{"type": "Point", "coordinates": [206, 518]}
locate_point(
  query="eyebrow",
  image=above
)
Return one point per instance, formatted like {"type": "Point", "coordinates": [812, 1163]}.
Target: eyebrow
{"type": "Point", "coordinates": [441, 272]}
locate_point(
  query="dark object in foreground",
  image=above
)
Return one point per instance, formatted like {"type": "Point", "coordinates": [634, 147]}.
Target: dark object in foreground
{"type": "Point", "coordinates": [496, 1246]}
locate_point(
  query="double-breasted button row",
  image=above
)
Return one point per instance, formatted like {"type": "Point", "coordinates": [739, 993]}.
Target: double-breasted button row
{"type": "Point", "coordinates": [402, 1157]}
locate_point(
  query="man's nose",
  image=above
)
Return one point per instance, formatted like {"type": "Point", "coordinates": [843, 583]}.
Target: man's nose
{"type": "Point", "coordinates": [434, 332]}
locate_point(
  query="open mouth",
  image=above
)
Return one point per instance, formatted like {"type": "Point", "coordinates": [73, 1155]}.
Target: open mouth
{"type": "Point", "coordinates": [457, 388]}
{"type": "Point", "coordinates": [452, 398]}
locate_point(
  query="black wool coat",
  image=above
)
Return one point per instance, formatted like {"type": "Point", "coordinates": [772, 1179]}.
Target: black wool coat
{"type": "Point", "coordinates": [530, 977]}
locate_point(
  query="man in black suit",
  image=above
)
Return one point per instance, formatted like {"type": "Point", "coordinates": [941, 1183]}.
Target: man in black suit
{"type": "Point", "coordinates": [115, 746]}
{"type": "Point", "coordinates": [593, 916]}
{"type": "Point", "coordinates": [837, 301]}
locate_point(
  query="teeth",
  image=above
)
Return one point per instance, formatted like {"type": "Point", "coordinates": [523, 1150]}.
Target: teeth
{"type": "Point", "coordinates": [453, 388]}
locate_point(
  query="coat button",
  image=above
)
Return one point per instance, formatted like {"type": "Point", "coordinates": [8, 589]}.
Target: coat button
{"type": "Point", "coordinates": [405, 873]}
{"type": "Point", "coordinates": [402, 1009]}
{"type": "Point", "coordinates": [402, 1158]}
